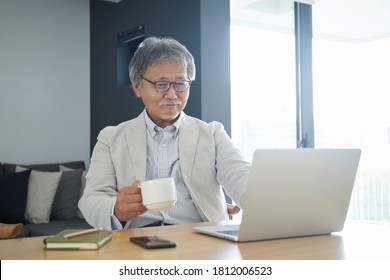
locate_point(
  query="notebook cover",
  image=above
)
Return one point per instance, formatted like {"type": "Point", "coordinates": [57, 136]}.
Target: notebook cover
{"type": "Point", "coordinates": [92, 241]}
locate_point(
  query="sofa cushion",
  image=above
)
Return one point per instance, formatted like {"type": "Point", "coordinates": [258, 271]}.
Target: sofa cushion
{"type": "Point", "coordinates": [13, 197]}
{"type": "Point", "coordinates": [55, 227]}
{"type": "Point", "coordinates": [42, 188]}
{"type": "Point", "coordinates": [10, 167]}
{"type": "Point", "coordinates": [79, 215]}
{"type": "Point", "coordinates": [67, 196]}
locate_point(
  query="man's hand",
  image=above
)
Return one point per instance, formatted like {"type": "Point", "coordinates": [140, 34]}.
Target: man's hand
{"type": "Point", "coordinates": [129, 202]}
{"type": "Point", "coordinates": [232, 209]}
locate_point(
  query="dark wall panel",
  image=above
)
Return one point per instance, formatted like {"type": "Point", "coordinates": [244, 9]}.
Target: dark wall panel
{"type": "Point", "coordinates": [112, 103]}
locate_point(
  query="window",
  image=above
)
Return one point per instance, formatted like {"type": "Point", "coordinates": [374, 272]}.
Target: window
{"type": "Point", "coordinates": [351, 92]}
{"type": "Point", "coordinates": [352, 96]}
{"type": "Point", "coordinates": [263, 78]}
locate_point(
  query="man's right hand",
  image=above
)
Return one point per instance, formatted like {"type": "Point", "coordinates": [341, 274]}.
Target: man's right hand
{"type": "Point", "coordinates": [129, 202]}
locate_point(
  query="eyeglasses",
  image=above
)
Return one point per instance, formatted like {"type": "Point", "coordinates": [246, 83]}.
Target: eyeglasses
{"type": "Point", "coordinates": [165, 86]}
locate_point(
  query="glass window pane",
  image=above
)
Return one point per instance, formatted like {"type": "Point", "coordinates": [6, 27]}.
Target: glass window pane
{"type": "Point", "coordinates": [262, 76]}
{"type": "Point", "coordinates": [351, 62]}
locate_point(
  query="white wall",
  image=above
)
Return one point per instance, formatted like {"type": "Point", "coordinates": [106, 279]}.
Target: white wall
{"type": "Point", "coordinates": [44, 81]}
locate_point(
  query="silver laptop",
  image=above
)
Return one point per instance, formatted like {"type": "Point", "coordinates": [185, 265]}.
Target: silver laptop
{"type": "Point", "coordinates": [294, 192]}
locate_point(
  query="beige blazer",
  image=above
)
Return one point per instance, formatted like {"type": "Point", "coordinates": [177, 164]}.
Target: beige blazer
{"type": "Point", "coordinates": [208, 160]}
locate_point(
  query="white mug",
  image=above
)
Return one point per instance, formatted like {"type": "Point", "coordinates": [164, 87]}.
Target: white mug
{"type": "Point", "coordinates": [159, 194]}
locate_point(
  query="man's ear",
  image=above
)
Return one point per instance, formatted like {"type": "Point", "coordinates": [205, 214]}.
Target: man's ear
{"type": "Point", "coordinates": [137, 89]}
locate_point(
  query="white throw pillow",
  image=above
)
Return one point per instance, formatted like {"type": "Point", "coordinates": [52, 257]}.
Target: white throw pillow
{"type": "Point", "coordinates": [82, 187]}
{"type": "Point", "coordinates": [42, 188]}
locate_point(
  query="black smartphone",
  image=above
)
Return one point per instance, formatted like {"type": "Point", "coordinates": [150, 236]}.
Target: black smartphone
{"type": "Point", "coordinates": [152, 242]}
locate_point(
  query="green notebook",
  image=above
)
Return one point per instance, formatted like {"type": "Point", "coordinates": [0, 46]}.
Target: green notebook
{"type": "Point", "coordinates": [91, 241]}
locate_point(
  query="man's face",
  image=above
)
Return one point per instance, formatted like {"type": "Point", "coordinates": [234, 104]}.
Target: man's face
{"type": "Point", "coordinates": [163, 108]}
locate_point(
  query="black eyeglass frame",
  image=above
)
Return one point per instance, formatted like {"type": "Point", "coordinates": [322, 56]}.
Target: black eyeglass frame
{"type": "Point", "coordinates": [169, 85]}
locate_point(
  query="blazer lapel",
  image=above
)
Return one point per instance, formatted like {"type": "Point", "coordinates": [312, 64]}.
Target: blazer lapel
{"type": "Point", "coordinates": [136, 142]}
{"type": "Point", "coordinates": [188, 138]}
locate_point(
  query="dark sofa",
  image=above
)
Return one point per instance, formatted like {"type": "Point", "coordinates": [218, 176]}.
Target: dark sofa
{"type": "Point", "coordinates": [43, 197]}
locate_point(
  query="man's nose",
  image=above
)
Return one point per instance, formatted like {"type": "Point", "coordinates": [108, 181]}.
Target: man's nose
{"type": "Point", "coordinates": [171, 92]}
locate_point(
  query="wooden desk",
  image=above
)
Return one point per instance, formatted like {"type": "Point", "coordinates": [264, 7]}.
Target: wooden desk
{"type": "Point", "coordinates": [356, 241]}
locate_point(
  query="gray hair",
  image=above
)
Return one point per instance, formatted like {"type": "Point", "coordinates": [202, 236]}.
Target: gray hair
{"type": "Point", "coordinates": [155, 50]}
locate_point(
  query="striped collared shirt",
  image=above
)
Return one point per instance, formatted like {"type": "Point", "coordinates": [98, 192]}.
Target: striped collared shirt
{"type": "Point", "coordinates": [162, 162]}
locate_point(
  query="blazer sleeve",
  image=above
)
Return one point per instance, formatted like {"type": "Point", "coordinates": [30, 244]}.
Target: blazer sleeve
{"type": "Point", "coordinates": [101, 188]}
{"type": "Point", "coordinates": [209, 161]}
{"type": "Point", "coordinates": [232, 168]}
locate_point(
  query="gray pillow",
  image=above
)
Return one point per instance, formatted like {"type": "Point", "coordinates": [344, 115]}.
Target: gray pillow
{"type": "Point", "coordinates": [79, 215]}
{"type": "Point", "coordinates": [42, 187]}
{"type": "Point", "coordinates": [67, 196]}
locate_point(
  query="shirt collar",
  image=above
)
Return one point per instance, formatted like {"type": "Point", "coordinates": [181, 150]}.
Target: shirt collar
{"type": "Point", "coordinates": [150, 125]}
